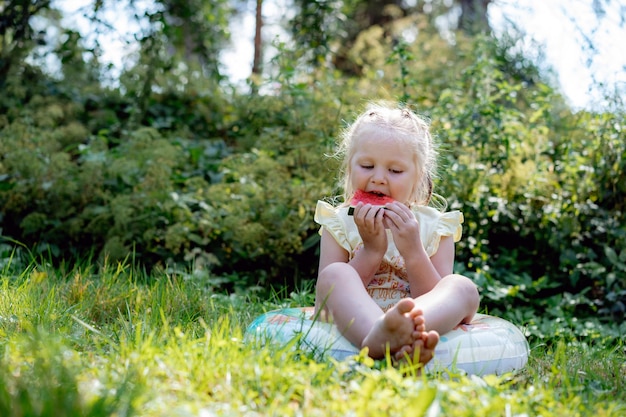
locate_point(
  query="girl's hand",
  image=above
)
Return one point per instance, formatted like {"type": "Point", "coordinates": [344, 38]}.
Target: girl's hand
{"type": "Point", "coordinates": [369, 221]}
{"type": "Point", "coordinates": [404, 227]}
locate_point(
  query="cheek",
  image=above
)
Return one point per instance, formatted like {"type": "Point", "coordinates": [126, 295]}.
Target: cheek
{"type": "Point", "coordinates": [404, 188]}
{"type": "Point", "coordinates": [357, 174]}
{"type": "Point", "coordinates": [357, 181]}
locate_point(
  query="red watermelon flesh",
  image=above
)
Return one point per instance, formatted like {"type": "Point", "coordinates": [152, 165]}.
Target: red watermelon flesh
{"type": "Point", "coordinates": [375, 199]}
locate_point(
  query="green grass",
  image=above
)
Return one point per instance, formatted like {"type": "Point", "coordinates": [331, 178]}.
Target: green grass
{"type": "Point", "coordinates": [110, 341]}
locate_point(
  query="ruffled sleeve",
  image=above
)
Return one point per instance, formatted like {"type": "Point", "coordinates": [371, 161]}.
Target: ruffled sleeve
{"type": "Point", "coordinates": [329, 218]}
{"type": "Point", "coordinates": [434, 225]}
{"type": "Point", "coordinates": [450, 225]}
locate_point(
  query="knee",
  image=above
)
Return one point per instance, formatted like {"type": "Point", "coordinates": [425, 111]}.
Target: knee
{"type": "Point", "coordinates": [467, 290]}
{"type": "Point", "coordinates": [327, 277]}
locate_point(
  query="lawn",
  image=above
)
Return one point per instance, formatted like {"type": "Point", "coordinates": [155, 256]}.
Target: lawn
{"type": "Point", "coordinates": [111, 341]}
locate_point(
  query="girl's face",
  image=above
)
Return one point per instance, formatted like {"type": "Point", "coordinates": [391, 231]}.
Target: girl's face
{"type": "Point", "coordinates": [383, 164]}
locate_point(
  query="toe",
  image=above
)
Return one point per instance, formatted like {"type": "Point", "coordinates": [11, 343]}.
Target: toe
{"type": "Point", "coordinates": [431, 340]}
{"type": "Point", "coordinates": [406, 305]}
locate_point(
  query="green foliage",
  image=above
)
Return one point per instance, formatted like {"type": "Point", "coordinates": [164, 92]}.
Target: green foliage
{"type": "Point", "coordinates": [41, 377]}
{"type": "Point", "coordinates": [174, 170]}
{"type": "Point", "coordinates": [213, 191]}
{"type": "Point", "coordinates": [197, 29]}
{"type": "Point", "coordinates": [318, 24]}
{"type": "Point", "coordinates": [515, 176]}
{"type": "Point", "coordinates": [166, 194]}
{"type": "Point", "coordinates": [17, 35]}
{"type": "Point", "coordinates": [112, 340]}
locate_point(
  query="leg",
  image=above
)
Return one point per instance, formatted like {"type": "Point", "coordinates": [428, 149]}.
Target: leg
{"type": "Point", "coordinates": [341, 295]}
{"type": "Point", "coordinates": [453, 301]}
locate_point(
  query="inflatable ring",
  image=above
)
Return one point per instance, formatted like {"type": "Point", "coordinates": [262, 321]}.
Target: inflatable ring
{"type": "Point", "coordinates": [488, 345]}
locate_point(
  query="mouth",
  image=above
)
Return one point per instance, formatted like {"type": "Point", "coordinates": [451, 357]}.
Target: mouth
{"type": "Point", "coordinates": [378, 193]}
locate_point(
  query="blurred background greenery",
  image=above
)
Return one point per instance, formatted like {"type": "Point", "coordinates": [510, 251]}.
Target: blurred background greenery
{"type": "Point", "coordinates": [169, 164]}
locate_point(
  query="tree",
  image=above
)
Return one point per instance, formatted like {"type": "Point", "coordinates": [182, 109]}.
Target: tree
{"type": "Point", "coordinates": [197, 30]}
{"type": "Point", "coordinates": [473, 18]}
{"type": "Point", "coordinates": [258, 40]}
{"type": "Point", "coordinates": [325, 27]}
{"type": "Point", "coordinates": [17, 36]}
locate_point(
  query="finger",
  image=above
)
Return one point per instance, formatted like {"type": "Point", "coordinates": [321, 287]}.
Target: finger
{"type": "Point", "coordinates": [375, 214]}
{"type": "Point", "coordinates": [402, 211]}
{"type": "Point", "coordinates": [364, 215]}
{"type": "Point", "coordinates": [366, 219]}
{"type": "Point", "coordinates": [380, 213]}
{"type": "Point", "coordinates": [393, 219]}
{"type": "Point", "coordinates": [389, 223]}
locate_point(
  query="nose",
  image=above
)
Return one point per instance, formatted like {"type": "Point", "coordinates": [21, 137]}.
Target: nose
{"type": "Point", "coordinates": [379, 176]}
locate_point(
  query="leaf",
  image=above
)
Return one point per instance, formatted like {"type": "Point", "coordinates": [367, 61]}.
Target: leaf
{"type": "Point", "coordinates": [616, 261]}
{"type": "Point", "coordinates": [610, 253]}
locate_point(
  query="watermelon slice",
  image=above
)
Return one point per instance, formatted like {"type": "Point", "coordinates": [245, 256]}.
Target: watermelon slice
{"type": "Point", "coordinates": [375, 199]}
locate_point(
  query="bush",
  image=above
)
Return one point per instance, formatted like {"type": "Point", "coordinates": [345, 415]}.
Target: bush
{"type": "Point", "coordinates": [538, 188]}
{"type": "Point", "coordinates": [228, 184]}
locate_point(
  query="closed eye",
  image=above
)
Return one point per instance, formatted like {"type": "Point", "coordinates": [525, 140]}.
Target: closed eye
{"type": "Point", "coordinates": [396, 171]}
{"type": "Point", "coordinates": [367, 166]}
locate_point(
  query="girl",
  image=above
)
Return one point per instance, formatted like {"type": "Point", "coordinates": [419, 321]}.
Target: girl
{"type": "Point", "coordinates": [386, 275]}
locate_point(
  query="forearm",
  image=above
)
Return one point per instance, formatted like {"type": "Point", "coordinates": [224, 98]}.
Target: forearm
{"type": "Point", "coordinates": [421, 273]}
{"type": "Point", "coordinates": [366, 263]}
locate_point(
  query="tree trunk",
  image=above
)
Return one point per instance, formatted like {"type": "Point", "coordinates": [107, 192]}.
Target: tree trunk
{"type": "Point", "coordinates": [473, 19]}
{"type": "Point", "coordinates": [16, 34]}
{"type": "Point", "coordinates": [258, 44]}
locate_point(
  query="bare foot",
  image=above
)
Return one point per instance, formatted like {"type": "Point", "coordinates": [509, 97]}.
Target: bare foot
{"type": "Point", "coordinates": [395, 330]}
{"type": "Point", "coordinates": [422, 351]}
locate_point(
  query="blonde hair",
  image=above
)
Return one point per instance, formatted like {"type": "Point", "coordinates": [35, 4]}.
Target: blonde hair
{"type": "Point", "coordinates": [399, 123]}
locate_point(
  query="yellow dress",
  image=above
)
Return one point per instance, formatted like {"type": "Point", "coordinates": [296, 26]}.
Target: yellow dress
{"type": "Point", "coordinates": [389, 284]}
